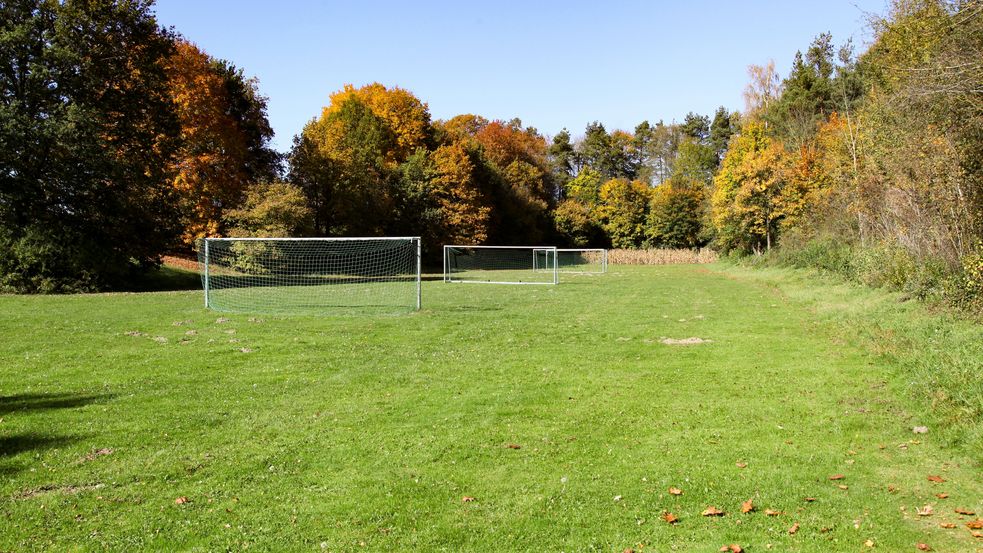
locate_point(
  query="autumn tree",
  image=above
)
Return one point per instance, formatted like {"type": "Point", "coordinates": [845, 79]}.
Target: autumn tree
{"type": "Point", "coordinates": [340, 162]}
{"type": "Point", "coordinates": [624, 211]}
{"type": "Point", "coordinates": [464, 203]}
{"type": "Point", "coordinates": [746, 202]}
{"type": "Point", "coordinates": [87, 134]}
{"type": "Point", "coordinates": [763, 88]}
{"type": "Point", "coordinates": [406, 117]}
{"type": "Point", "coordinates": [676, 213]}
{"type": "Point", "coordinates": [225, 138]}
{"type": "Point", "coordinates": [347, 160]}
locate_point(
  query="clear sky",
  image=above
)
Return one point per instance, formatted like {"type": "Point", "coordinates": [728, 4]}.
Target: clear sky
{"type": "Point", "coordinates": [554, 64]}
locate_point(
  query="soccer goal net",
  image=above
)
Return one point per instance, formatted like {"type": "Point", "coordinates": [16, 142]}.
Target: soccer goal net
{"type": "Point", "coordinates": [311, 275]}
{"type": "Point", "coordinates": [584, 261]}
{"type": "Point", "coordinates": [500, 264]}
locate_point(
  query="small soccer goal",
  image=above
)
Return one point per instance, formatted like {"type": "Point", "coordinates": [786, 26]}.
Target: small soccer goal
{"type": "Point", "coordinates": [311, 275]}
{"type": "Point", "coordinates": [501, 264]}
{"type": "Point", "coordinates": [587, 261]}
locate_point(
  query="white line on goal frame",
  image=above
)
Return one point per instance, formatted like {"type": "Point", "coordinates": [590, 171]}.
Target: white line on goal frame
{"type": "Point", "coordinates": [604, 259]}
{"type": "Point", "coordinates": [534, 249]}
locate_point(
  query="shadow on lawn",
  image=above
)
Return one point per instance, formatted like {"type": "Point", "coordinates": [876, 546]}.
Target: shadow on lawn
{"type": "Point", "coordinates": [18, 404]}
{"type": "Point", "coordinates": [20, 443]}
{"type": "Point", "coordinates": [25, 403]}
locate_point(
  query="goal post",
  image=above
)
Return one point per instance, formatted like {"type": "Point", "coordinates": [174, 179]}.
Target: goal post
{"type": "Point", "coordinates": [589, 261]}
{"type": "Point", "coordinates": [501, 264]}
{"type": "Point", "coordinates": [311, 275]}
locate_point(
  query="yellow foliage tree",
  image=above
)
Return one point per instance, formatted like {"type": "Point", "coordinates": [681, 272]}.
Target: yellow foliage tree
{"type": "Point", "coordinates": [407, 117]}
{"type": "Point", "coordinates": [624, 210]}
{"type": "Point", "coordinates": [464, 207]}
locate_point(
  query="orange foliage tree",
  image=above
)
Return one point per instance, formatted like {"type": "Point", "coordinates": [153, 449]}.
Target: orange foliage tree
{"type": "Point", "coordinates": [223, 134]}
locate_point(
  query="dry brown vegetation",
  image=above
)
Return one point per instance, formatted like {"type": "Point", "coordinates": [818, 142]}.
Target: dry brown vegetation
{"type": "Point", "coordinates": [661, 256]}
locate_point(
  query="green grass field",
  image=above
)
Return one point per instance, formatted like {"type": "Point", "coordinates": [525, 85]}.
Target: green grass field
{"type": "Point", "coordinates": [558, 409]}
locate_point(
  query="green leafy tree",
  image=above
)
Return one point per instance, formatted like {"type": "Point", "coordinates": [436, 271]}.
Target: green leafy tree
{"type": "Point", "coordinates": [87, 132]}
{"type": "Point", "coordinates": [723, 127]}
{"type": "Point", "coordinates": [696, 127]}
{"type": "Point", "coordinates": [676, 214]}
{"type": "Point", "coordinates": [561, 158]}
{"type": "Point", "coordinates": [271, 209]}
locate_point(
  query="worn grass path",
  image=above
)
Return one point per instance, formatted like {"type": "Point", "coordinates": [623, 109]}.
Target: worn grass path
{"type": "Point", "coordinates": [366, 433]}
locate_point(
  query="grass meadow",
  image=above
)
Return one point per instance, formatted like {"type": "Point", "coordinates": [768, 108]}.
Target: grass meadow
{"type": "Point", "coordinates": [498, 418]}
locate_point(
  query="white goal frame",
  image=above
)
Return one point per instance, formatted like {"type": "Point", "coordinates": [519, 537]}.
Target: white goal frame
{"type": "Point", "coordinates": [534, 250]}
{"type": "Point", "coordinates": [604, 260]}
{"type": "Point", "coordinates": [205, 256]}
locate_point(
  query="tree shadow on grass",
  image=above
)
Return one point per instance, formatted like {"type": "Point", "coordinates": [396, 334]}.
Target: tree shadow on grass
{"type": "Point", "coordinates": [164, 279]}
{"type": "Point", "coordinates": [20, 443]}
{"type": "Point", "coordinates": [26, 403]}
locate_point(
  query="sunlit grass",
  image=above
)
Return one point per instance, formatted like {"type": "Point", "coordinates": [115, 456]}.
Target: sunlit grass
{"type": "Point", "coordinates": [366, 433]}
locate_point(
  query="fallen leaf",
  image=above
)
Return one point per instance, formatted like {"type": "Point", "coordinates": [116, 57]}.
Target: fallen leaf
{"type": "Point", "coordinates": [617, 498]}
{"type": "Point", "coordinates": [837, 477]}
{"type": "Point", "coordinates": [712, 511]}
{"type": "Point", "coordinates": [810, 499]}
{"type": "Point", "coordinates": [976, 534]}
{"type": "Point", "coordinates": [934, 478]}
{"type": "Point", "coordinates": [947, 525]}
{"type": "Point", "coordinates": [747, 506]}
{"type": "Point", "coordinates": [675, 491]}
{"type": "Point", "coordinates": [942, 495]}
{"type": "Point", "coordinates": [732, 548]}
{"type": "Point", "coordinates": [869, 543]}
{"type": "Point", "coordinates": [923, 547]}
{"type": "Point", "coordinates": [966, 512]}
{"type": "Point", "coordinates": [181, 500]}
{"type": "Point", "coordinates": [467, 499]}
{"type": "Point", "coordinates": [975, 524]}
{"type": "Point", "coordinates": [772, 512]}
{"type": "Point", "coordinates": [514, 446]}
{"type": "Point", "coordinates": [920, 430]}
{"type": "Point", "coordinates": [741, 465]}
{"type": "Point", "coordinates": [793, 529]}
{"type": "Point", "coordinates": [843, 487]}
{"type": "Point", "coordinates": [669, 517]}
{"type": "Point", "coordinates": [892, 488]}
{"type": "Point", "coordinates": [925, 511]}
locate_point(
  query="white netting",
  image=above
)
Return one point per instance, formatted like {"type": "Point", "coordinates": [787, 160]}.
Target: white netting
{"type": "Point", "coordinates": [311, 275]}
{"type": "Point", "coordinates": [500, 264]}
{"type": "Point", "coordinates": [582, 260]}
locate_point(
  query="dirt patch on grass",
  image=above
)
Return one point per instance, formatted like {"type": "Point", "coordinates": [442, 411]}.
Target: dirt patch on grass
{"type": "Point", "coordinates": [685, 341]}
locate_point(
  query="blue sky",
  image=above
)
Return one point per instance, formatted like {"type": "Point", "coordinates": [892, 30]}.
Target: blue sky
{"type": "Point", "coordinates": [552, 64]}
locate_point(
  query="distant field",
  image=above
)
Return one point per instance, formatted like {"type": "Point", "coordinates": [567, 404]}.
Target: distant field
{"type": "Point", "coordinates": [498, 418]}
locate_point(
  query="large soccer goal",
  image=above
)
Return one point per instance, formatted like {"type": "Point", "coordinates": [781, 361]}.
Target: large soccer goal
{"type": "Point", "coordinates": [311, 275]}
{"type": "Point", "coordinates": [501, 264]}
{"type": "Point", "coordinates": [589, 261]}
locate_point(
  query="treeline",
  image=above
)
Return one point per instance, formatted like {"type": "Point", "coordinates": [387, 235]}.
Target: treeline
{"type": "Point", "coordinates": [872, 166]}
{"type": "Point", "coordinates": [374, 163]}
{"type": "Point", "coordinates": [121, 140]}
